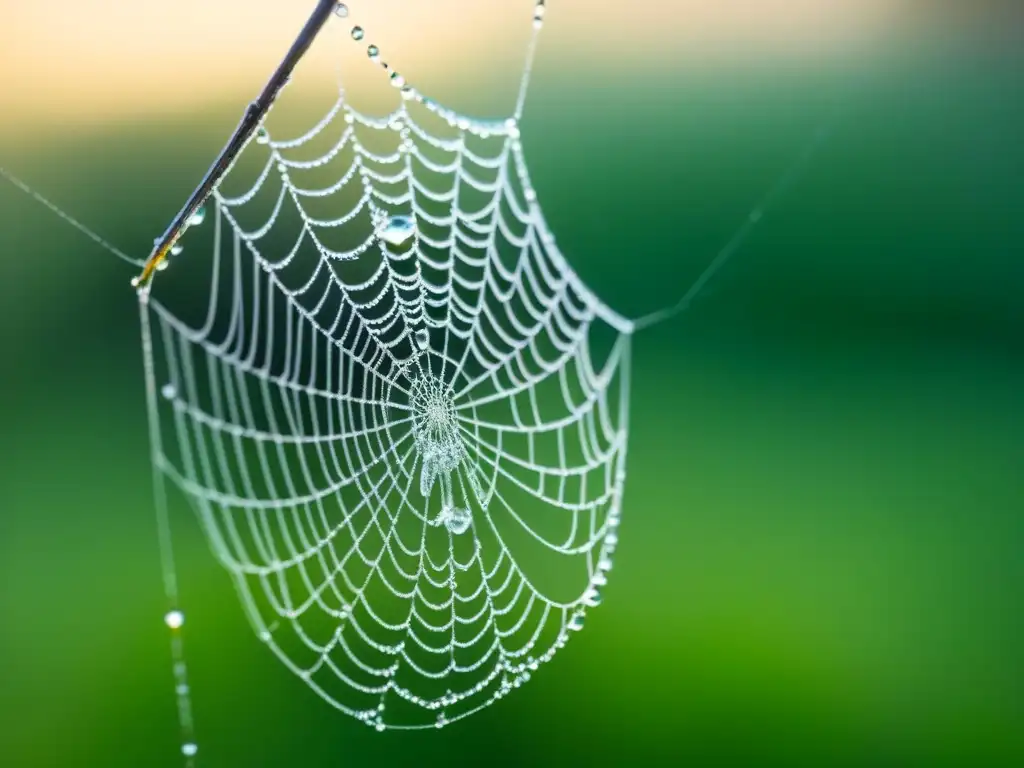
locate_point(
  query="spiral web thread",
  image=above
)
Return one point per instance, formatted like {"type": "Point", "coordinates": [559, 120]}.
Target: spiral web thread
{"type": "Point", "coordinates": [409, 454]}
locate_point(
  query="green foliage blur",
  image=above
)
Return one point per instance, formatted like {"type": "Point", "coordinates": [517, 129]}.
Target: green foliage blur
{"type": "Point", "coordinates": [821, 548]}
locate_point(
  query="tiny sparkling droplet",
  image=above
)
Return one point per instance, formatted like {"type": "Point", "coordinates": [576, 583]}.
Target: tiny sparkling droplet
{"type": "Point", "coordinates": [198, 217]}
{"type": "Point", "coordinates": [162, 265]}
{"type": "Point", "coordinates": [397, 229]}
{"type": "Point", "coordinates": [168, 391]}
{"type": "Point", "coordinates": [262, 137]}
{"type": "Point", "coordinates": [397, 80]}
{"type": "Point", "coordinates": [380, 725]}
{"type": "Point", "coordinates": [174, 619]}
{"type": "Point", "coordinates": [441, 720]}
{"type": "Point", "coordinates": [189, 749]}
{"type": "Point", "coordinates": [357, 33]}
{"type": "Point", "coordinates": [373, 52]}
{"type": "Point", "coordinates": [341, 11]}
{"type": "Point", "coordinates": [407, 92]}
{"type": "Point", "coordinates": [592, 597]}
{"type": "Point", "coordinates": [576, 622]}
{"type": "Point", "coordinates": [176, 249]}
{"type": "Point", "coordinates": [422, 338]}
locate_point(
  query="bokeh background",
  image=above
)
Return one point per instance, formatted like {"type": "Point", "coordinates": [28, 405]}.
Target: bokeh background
{"type": "Point", "coordinates": [821, 553]}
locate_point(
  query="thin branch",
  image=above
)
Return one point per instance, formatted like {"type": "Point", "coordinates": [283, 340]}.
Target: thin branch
{"type": "Point", "coordinates": [251, 120]}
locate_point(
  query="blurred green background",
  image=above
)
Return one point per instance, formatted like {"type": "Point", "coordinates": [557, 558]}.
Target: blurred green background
{"type": "Point", "coordinates": [821, 553]}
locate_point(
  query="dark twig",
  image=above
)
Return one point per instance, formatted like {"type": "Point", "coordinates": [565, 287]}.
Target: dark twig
{"type": "Point", "coordinates": [251, 120]}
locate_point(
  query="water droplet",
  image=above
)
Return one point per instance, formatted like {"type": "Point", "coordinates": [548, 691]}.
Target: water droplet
{"type": "Point", "coordinates": [198, 217]}
{"type": "Point", "coordinates": [397, 80]}
{"type": "Point", "coordinates": [600, 579]}
{"type": "Point", "coordinates": [168, 391]}
{"type": "Point", "coordinates": [380, 725]}
{"type": "Point", "coordinates": [530, 194]}
{"type": "Point", "coordinates": [477, 488]}
{"type": "Point", "coordinates": [407, 92]}
{"type": "Point", "coordinates": [576, 622]}
{"type": "Point", "coordinates": [456, 520]}
{"type": "Point", "coordinates": [349, 118]}
{"type": "Point", "coordinates": [422, 338]}
{"type": "Point", "coordinates": [538, 13]}
{"type": "Point", "coordinates": [162, 265]}
{"type": "Point", "coordinates": [176, 249]}
{"type": "Point", "coordinates": [396, 229]}
{"type": "Point", "coordinates": [592, 597]}
{"type": "Point", "coordinates": [605, 563]}
{"type": "Point", "coordinates": [262, 137]}
{"type": "Point", "coordinates": [174, 619]}
{"type": "Point", "coordinates": [373, 52]}
{"type": "Point", "coordinates": [357, 33]}
{"type": "Point", "coordinates": [512, 128]}
{"type": "Point", "coordinates": [189, 749]}
{"type": "Point", "coordinates": [427, 475]}
{"type": "Point", "coordinates": [463, 123]}
{"type": "Point", "coordinates": [441, 720]}
{"type": "Point", "coordinates": [181, 689]}
{"type": "Point", "coordinates": [341, 10]}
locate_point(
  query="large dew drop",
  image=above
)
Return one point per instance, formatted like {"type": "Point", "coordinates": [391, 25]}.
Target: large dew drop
{"type": "Point", "coordinates": [397, 229]}
{"type": "Point", "coordinates": [456, 519]}
{"type": "Point", "coordinates": [422, 336]}
{"type": "Point", "coordinates": [357, 33]}
{"type": "Point", "coordinates": [198, 217]}
{"type": "Point", "coordinates": [341, 10]}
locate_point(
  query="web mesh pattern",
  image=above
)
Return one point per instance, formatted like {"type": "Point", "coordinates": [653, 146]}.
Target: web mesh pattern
{"type": "Point", "coordinates": [400, 414]}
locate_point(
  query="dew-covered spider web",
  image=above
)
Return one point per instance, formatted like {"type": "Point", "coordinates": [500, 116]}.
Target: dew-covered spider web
{"type": "Point", "coordinates": [399, 413]}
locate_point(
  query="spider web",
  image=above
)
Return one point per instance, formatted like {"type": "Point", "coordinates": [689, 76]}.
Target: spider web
{"type": "Point", "coordinates": [400, 414]}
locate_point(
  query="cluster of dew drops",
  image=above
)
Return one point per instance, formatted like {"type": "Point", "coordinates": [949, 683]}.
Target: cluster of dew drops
{"type": "Point", "coordinates": [194, 220]}
{"type": "Point", "coordinates": [397, 80]}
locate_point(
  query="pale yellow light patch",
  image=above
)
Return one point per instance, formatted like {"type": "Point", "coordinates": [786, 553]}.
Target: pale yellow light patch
{"type": "Point", "coordinates": [97, 61]}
